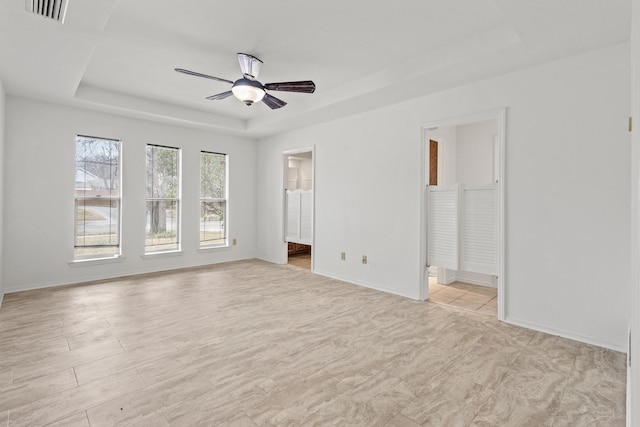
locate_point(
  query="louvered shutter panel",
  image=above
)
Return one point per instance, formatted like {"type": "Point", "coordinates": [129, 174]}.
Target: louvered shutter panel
{"type": "Point", "coordinates": [306, 217]}
{"type": "Point", "coordinates": [293, 217]}
{"type": "Point", "coordinates": [479, 230]}
{"type": "Point", "coordinates": [442, 226]}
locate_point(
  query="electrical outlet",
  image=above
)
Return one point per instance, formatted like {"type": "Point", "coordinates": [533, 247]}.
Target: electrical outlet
{"type": "Point", "coordinates": [364, 259]}
{"type": "Point", "coordinates": [234, 242]}
{"type": "Point", "coordinates": [343, 256]}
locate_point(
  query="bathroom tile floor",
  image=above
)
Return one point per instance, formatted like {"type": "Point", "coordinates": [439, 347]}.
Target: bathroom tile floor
{"type": "Point", "coordinates": [480, 299]}
{"type": "Point", "coordinates": [256, 344]}
{"type": "Point", "coordinates": [300, 260]}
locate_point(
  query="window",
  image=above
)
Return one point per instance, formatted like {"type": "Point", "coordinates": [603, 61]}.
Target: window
{"type": "Point", "coordinates": [163, 199]}
{"type": "Point", "coordinates": [213, 199]}
{"type": "Point", "coordinates": [97, 198]}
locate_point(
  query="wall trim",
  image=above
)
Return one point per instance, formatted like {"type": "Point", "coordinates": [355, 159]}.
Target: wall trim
{"type": "Point", "coordinates": [565, 334]}
{"type": "Point", "coordinates": [369, 286]}
{"type": "Point", "coordinates": [99, 279]}
{"type": "Point", "coordinates": [473, 282]}
{"type": "Point", "coordinates": [271, 260]}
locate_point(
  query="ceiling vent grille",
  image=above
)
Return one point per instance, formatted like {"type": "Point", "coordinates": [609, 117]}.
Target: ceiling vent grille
{"type": "Point", "coordinates": [53, 9]}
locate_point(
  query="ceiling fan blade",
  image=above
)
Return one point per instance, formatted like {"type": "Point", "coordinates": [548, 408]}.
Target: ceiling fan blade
{"type": "Point", "coordinates": [193, 73]}
{"type": "Point", "coordinates": [250, 65]}
{"type": "Point", "coordinates": [306, 86]}
{"type": "Point", "coordinates": [222, 95]}
{"type": "Point", "coordinates": [273, 102]}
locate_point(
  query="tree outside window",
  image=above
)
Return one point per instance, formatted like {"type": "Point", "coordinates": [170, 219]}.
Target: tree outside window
{"type": "Point", "coordinates": [163, 199]}
{"type": "Point", "coordinates": [213, 199]}
{"type": "Point", "coordinates": [97, 198]}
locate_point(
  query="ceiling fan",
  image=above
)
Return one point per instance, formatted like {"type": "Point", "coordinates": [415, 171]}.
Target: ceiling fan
{"type": "Point", "coordinates": [249, 90]}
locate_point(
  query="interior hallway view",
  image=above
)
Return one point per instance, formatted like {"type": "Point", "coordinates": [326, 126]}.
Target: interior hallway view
{"type": "Point", "coordinates": [250, 343]}
{"type": "Point", "coordinates": [476, 298]}
{"type": "Point", "coordinates": [300, 260]}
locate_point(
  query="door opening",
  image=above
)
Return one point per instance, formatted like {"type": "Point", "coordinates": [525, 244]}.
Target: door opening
{"type": "Point", "coordinates": [433, 162]}
{"type": "Point", "coordinates": [462, 250]}
{"type": "Point", "coordinates": [298, 172]}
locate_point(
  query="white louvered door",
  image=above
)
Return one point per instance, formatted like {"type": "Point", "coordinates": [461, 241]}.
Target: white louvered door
{"type": "Point", "coordinates": [479, 230]}
{"type": "Point", "coordinates": [306, 217]}
{"type": "Point", "coordinates": [462, 228]}
{"type": "Point", "coordinates": [293, 216]}
{"type": "Point", "coordinates": [299, 221]}
{"type": "Point", "coordinates": [442, 226]}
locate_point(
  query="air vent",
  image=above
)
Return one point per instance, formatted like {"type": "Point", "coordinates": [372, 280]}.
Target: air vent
{"type": "Point", "coordinates": [53, 9]}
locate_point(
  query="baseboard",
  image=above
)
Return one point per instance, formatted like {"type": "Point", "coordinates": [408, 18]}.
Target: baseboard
{"type": "Point", "coordinates": [368, 285]}
{"type": "Point", "coordinates": [565, 334]}
{"type": "Point", "coordinates": [473, 282]}
{"type": "Point", "coordinates": [45, 285]}
{"type": "Point", "coordinates": [267, 259]}
{"type": "Point", "coordinates": [474, 278]}
{"type": "Point", "coordinates": [449, 280]}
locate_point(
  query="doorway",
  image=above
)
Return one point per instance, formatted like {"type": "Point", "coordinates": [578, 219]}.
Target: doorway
{"type": "Point", "coordinates": [456, 148]}
{"type": "Point", "coordinates": [298, 223]}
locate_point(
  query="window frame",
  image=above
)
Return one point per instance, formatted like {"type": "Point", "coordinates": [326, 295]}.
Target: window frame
{"type": "Point", "coordinates": [118, 211]}
{"type": "Point", "coordinates": [178, 200]}
{"type": "Point", "coordinates": [203, 244]}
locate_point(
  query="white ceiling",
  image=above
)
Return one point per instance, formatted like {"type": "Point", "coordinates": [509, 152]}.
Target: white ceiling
{"type": "Point", "coordinates": [119, 55]}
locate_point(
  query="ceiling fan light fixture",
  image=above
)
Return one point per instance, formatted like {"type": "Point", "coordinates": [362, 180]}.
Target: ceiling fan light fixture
{"type": "Point", "coordinates": [248, 91]}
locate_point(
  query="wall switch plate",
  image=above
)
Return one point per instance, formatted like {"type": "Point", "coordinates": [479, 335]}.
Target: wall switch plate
{"type": "Point", "coordinates": [343, 256]}
{"type": "Point", "coordinates": [234, 242]}
{"type": "Point", "coordinates": [364, 259]}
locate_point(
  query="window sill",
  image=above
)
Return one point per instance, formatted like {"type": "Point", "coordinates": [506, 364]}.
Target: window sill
{"type": "Point", "coordinates": [205, 249]}
{"type": "Point", "coordinates": [95, 261]}
{"type": "Point", "coordinates": [154, 255]}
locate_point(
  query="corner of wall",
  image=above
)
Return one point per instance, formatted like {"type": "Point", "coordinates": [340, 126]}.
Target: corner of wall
{"type": "Point", "coordinates": [2, 143]}
{"type": "Point", "coordinates": [633, 375]}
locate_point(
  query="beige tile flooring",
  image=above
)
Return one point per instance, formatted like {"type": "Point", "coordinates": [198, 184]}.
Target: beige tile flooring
{"type": "Point", "coordinates": [255, 344]}
{"type": "Point", "coordinates": [481, 299]}
{"type": "Point", "coordinates": [300, 260]}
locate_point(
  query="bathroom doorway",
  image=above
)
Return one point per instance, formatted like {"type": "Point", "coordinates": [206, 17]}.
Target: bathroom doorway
{"type": "Point", "coordinates": [463, 162]}
{"type": "Point", "coordinates": [298, 172]}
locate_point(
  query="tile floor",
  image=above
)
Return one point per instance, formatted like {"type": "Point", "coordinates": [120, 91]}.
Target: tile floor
{"type": "Point", "coordinates": [480, 299]}
{"type": "Point", "coordinates": [255, 344]}
{"type": "Point", "coordinates": [300, 260]}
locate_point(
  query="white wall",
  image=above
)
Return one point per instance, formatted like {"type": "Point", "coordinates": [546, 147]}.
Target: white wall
{"type": "Point", "coordinates": [567, 193]}
{"type": "Point", "coordinates": [2, 139]}
{"type": "Point", "coordinates": [633, 371]}
{"type": "Point", "coordinates": [475, 153]}
{"type": "Point", "coordinates": [39, 212]}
